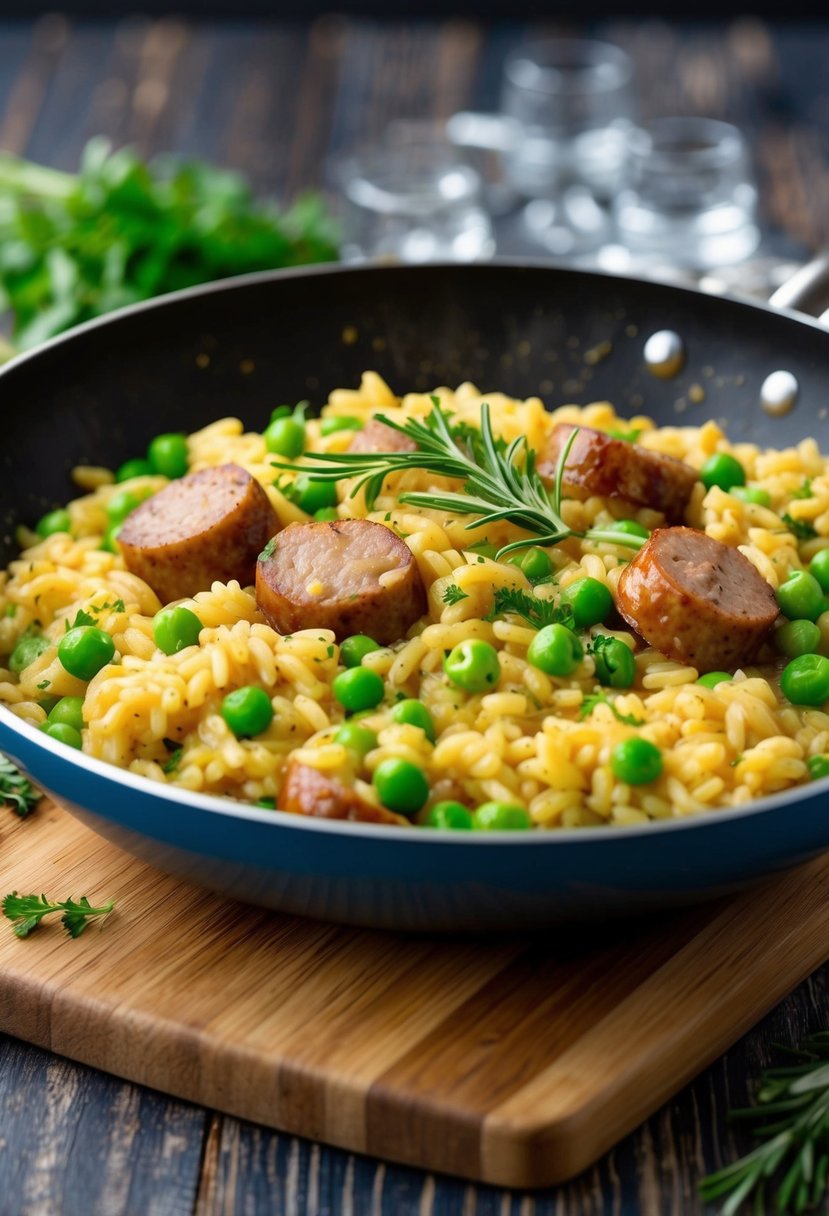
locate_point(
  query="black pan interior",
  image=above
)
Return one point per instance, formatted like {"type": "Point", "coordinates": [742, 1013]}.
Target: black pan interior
{"type": "Point", "coordinates": [243, 347]}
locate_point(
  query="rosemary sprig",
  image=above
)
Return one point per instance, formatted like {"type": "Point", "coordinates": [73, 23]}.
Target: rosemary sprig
{"type": "Point", "coordinates": [498, 484]}
{"type": "Point", "coordinates": [787, 1172]}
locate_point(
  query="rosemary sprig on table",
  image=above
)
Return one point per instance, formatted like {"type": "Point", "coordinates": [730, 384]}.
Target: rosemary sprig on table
{"type": "Point", "coordinates": [498, 484]}
{"type": "Point", "coordinates": [27, 911]}
{"type": "Point", "coordinates": [787, 1173]}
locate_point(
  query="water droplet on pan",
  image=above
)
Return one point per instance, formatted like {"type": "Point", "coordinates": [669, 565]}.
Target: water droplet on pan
{"type": "Point", "coordinates": [778, 393]}
{"type": "Point", "coordinates": [664, 353]}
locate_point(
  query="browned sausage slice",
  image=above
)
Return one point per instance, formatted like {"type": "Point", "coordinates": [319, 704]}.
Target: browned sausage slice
{"type": "Point", "coordinates": [697, 600]}
{"type": "Point", "coordinates": [612, 468]}
{"type": "Point", "coordinates": [377, 437]}
{"type": "Point", "coordinates": [305, 791]}
{"type": "Point", "coordinates": [205, 526]}
{"type": "Point", "coordinates": [349, 575]}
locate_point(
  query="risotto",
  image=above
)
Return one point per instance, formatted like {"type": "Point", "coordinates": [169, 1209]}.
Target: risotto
{"type": "Point", "coordinates": [512, 689]}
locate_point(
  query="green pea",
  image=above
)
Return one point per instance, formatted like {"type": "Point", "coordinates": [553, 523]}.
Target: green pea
{"type": "Point", "coordinates": [356, 738]}
{"type": "Point", "coordinates": [555, 650]}
{"type": "Point", "coordinates": [167, 455]}
{"type": "Point", "coordinates": [68, 710]}
{"type": "Point", "coordinates": [285, 437]}
{"type": "Point", "coordinates": [52, 522]}
{"type": "Point", "coordinates": [449, 817]}
{"type": "Point", "coordinates": [722, 470]}
{"type": "Point", "coordinates": [590, 600]}
{"type": "Point", "coordinates": [630, 527]}
{"type": "Point", "coordinates": [800, 597]}
{"type": "Point", "coordinates": [754, 494]}
{"type": "Point", "coordinates": [358, 688]}
{"type": "Point", "coordinates": [108, 541]}
{"type": "Point", "coordinates": [63, 733]}
{"type": "Point", "coordinates": [415, 713]}
{"type": "Point", "coordinates": [247, 711]}
{"type": "Point", "coordinates": [84, 650]}
{"type": "Point", "coordinates": [473, 665]}
{"type": "Point", "coordinates": [310, 494]}
{"type": "Point", "coordinates": [325, 514]}
{"type": "Point", "coordinates": [342, 422]}
{"type": "Point", "coordinates": [636, 761]}
{"type": "Point", "coordinates": [797, 637]}
{"type": "Point", "coordinates": [176, 628]}
{"type": "Point", "coordinates": [267, 804]}
{"type": "Point", "coordinates": [615, 664]}
{"type": "Point", "coordinates": [712, 678]}
{"type": "Point", "coordinates": [123, 502]}
{"type": "Point", "coordinates": [354, 649]}
{"type": "Point", "coordinates": [819, 569]}
{"type": "Point", "coordinates": [401, 786]}
{"type": "Point", "coordinates": [133, 468]}
{"type": "Point", "coordinates": [818, 767]}
{"type": "Point", "coordinates": [501, 817]}
{"type": "Point", "coordinates": [533, 563]}
{"type": "Point", "coordinates": [26, 650]}
{"type": "Point", "coordinates": [805, 680]}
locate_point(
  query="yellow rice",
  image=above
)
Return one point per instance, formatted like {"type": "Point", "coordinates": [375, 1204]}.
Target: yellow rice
{"type": "Point", "coordinates": [525, 742]}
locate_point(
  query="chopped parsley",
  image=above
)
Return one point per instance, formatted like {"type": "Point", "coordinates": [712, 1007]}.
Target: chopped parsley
{"type": "Point", "coordinates": [801, 528]}
{"type": "Point", "coordinates": [453, 594]}
{"type": "Point", "coordinates": [174, 760]}
{"type": "Point", "coordinates": [600, 698]}
{"type": "Point", "coordinates": [804, 491]}
{"type": "Point", "coordinates": [535, 611]}
{"type": "Point", "coordinates": [269, 550]}
{"type": "Point", "coordinates": [626, 436]}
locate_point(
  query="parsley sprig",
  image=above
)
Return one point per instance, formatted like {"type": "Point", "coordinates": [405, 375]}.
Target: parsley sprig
{"type": "Point", "coordinates": [499, 484]}
{"type": "Point", "coordinates": [27, 911]}
{"type": "Point", "coordinates": [531, 608]}
{"type": "Point", "coordinates": [17, 790]}
{"type": "Point", "coordinates": [788, 1170]}
{"type": "Point", "coordinates": [74, 246]}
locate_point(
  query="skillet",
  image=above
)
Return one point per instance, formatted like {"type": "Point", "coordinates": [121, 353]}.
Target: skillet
{"type": "Point", "coordinates": [99, 393]}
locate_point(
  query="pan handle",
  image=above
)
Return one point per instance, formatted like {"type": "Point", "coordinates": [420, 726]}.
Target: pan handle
{"type": "Point", "coordinates": [807, 290]}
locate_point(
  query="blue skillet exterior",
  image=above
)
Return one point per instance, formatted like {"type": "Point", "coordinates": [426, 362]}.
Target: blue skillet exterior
{"type": "Point", "coordinates": [108, 387]}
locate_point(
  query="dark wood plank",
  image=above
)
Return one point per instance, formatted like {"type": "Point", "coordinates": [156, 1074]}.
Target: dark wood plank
{"type": "Point", "coordinates": [76, 1141]}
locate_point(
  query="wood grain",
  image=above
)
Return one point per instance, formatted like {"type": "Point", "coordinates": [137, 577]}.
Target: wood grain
{"type": "Point", "coordinates": [512, 1061]}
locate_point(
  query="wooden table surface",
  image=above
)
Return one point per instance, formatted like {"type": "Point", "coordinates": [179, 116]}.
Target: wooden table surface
{"type": "Point", "coordinates": [277, 101]}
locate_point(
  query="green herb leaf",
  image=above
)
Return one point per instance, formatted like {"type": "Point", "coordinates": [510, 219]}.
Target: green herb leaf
{"type": "Point", "coordinates": [27, 911]}
{"type": "Point", "coordinates": [268, 551]}
{"type": "Point", "coordinates": [800, 527]}
{"type": "Point", "coordinates": [805, 490]}
{"type": "Point", "coordinates": [81, 618]}
{"type": "Point", "coordinates": [174, 761]}
{"type": "Point", "coordinates": [535, 611]}
{"type": "Point", "coordinates": [75, 246]}
{"type": "Point", "coordinates": [16, 790]}
{"type": "Point", "coordinates": [601, 698]}
{"type": "Point", "coordinates": [788, 1170]}
{"type": "Point", "coordinates": [453, 594]}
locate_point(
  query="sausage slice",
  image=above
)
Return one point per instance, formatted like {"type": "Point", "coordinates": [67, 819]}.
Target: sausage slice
{"type": "Point", "coordinates": [306, 791]}
{"type": "Point", "coordinates": [349, 575]}
{"type": "Point", "coordinates": [612, 468]}
{"type": "Point", "coordinates": [377, 437]}
{"type": "Point", "coordinates": [698, 601]}
{"type": "Point", "coordinates": [205, 526]}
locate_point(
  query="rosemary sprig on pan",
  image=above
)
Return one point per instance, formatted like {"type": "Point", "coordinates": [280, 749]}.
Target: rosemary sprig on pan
{"type": "Point", "coordinates": [27, 911]}
{"type": "Point", "coordinates": [787, 1173]}
{"type": "Point", "coordinates": [498, 484]}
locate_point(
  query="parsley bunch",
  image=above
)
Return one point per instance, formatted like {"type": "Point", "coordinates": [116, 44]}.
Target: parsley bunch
{"type": "Point", "coordinates": [75, 246]}
{"type": "Point", "coordinates": [17, 790]}
{"type": "Point", "coordinates": [27, 911]}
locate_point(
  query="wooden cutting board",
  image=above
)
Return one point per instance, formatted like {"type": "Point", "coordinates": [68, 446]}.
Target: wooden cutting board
{"type": "Point", "coordinates": [516, 1061]}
